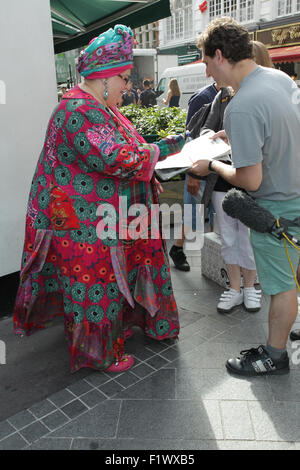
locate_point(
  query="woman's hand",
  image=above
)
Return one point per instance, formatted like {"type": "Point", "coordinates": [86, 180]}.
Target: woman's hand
{"type": "Point", "coordinates": [159, 187]}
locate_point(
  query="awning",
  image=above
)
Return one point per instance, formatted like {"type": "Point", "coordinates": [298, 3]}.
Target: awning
{"type": "Point", "coordinates": [285, 54]}
{"type": "Point", "coordinates": [76, 22]}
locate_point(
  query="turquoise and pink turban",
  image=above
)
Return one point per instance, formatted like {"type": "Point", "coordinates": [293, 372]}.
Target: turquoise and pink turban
{"type": "Point", "coordinates": [107, 55]}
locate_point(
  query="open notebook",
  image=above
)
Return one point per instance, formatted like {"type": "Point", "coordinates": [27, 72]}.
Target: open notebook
{"type": "Point", "coordinates": [201, 148]}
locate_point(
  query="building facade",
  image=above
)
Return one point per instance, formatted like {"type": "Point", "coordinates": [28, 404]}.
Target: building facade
{"type": "Point", "coordinates": [276, 23]}
{"type": "Point", "coordinates": [65, 63]}
{"type": "Point", "coordinates": [147, 36]}
{"type": "Point", "coordinates": [177, 33]}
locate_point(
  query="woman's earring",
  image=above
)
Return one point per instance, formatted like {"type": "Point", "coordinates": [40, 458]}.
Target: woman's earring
{"type": "Point", "coordinates": [105, 90]}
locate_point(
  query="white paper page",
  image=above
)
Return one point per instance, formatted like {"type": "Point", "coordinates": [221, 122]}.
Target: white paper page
{"type": "Point", "coordinates": [197, 149]}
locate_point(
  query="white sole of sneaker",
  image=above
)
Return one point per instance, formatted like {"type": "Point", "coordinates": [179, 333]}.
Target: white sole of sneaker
{"type": "Point", "coordinates": [222, 310]}
{"type": "Point", "coordinates": [255, 374]}
{"type": "Point", "coordinates": [253, 309]}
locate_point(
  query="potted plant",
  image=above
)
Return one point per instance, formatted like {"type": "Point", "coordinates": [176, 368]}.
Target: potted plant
{"type": "Point", "coordinates": [154, 124]}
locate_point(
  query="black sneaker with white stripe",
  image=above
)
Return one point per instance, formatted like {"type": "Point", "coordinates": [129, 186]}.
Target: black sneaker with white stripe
{"type": "Point", "coordinates": [295, 335]}
{"type": "Point", "coordinates": [257, 361]}
{"type": "Point", "coordinates": [179, 258]}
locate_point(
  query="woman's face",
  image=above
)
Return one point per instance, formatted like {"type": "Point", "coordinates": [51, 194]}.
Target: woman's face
{"type": "Point", "coordinates": [116, 86]}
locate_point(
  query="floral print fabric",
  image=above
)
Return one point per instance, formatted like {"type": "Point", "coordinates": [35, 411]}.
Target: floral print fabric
{"type": "Point", "coordinates": [109, 51]}
{"type": "Point", "coordinates": [91, 157]}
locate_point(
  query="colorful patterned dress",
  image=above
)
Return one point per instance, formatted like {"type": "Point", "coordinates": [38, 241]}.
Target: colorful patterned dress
{"type": "Point", "coordinates": [80, 259]}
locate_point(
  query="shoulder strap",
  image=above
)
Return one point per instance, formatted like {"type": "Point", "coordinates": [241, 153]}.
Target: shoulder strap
{"type": "Point", "coordinates": [198, 120]}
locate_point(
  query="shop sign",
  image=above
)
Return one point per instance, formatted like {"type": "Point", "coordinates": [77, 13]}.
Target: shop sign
{"type": "Point", "coordinates": [188, 58]}
{"type": "Point", "coordinates": [287, 35]}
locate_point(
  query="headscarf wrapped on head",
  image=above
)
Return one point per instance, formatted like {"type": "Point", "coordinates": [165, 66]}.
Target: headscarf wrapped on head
{"type": "Point", "coordinates": [107, 55]}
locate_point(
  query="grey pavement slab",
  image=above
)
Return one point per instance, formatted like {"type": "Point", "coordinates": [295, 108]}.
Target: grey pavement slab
{"type": "Point", "coordinates": [176, 444]}
{"type": "Point", "coordinates": [254, 445]}
{"type": "Point", "coordinates": [177, 396]}
{"type": "Point", "coordinates": [127, 379]}
{"type": "Point", "coordinates": [51, 444]}
{"type": "Point", "coordinates": [288, 388]}
{"type": "Point", "coordinates": [74, 409]}
{"type": "Point", "coordinates": [34, 431]}
{"type": "Point", "coordinates": [144, 444]}
{"type": "Point", "coordinates": [236, 420]}
{"type": "Point", "coordinates": [6, 429]}
{"type": "Point", "coordinates": [22, 419]}
{"type": "Point", "coordinates": [172, 419]}
{"type": "Point", "coordinates": [101, 421]}
{"type": "Point", "coordinates": [209, 355]}
{"type": "Point", "coordinates": [160, 385]}
{"type": "Point", "coordinates": [93, 398]}
{"type": "Point", "coordinates": [191, 281]}
{"type": "Point", "coordinates": [55, 420]}
{"type": "Point", "coordinates": [110, 388]}
{"type": "Point", "coordinates": [36, 367]}
{"type": "Point", "coordinates": [142, 370]}
{"type": "Point", "coordinates": [214, 384]}
{"type": "Point", "coordinates": [157, 444]}
{"type": "Point", "coordinates": [243, 333]}
{"type": "Point", "coordinates": [42, 408]}
{"type": "Point", "coordinates": [13, 442]}
{"type": "Point", "coordinates": [275, 421]}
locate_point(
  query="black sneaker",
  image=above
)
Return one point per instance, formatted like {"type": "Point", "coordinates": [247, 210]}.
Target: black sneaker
{"type": "Point", "coordinates": [257, 361]}
{"type": "Point", "coordinates": [295, 335]}
{"type": "Point", "coordinates": [179, 258]}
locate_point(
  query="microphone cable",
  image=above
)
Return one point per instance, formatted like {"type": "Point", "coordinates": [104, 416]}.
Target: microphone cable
{"type": "Point", "coordinates": [294, 242]}
{"type": "Point", "coordinates": [241, 206]}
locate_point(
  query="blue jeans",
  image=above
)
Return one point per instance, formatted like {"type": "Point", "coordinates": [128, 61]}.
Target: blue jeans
{"type": "Point", "coordinates": [190, 220]}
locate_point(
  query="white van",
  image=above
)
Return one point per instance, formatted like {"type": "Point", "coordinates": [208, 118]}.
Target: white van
{"type": "Point", "coordinates": [190, 78]}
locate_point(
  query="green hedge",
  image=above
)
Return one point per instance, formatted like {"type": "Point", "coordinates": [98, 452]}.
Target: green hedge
{"type": "Point", "coordinates": [156, 121]}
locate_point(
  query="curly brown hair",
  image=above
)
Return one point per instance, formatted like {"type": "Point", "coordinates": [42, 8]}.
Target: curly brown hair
{"type": "Point", "coordinates": [229, 36]}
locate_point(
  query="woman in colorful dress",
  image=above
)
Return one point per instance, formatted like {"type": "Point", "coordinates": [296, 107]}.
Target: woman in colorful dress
{"type": "Point", "coordinates": [89, 255]}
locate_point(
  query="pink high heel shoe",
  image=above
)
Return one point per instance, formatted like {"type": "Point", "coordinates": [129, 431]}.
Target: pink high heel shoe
{"type": "Point", "coordinates": [126, 363]}
{"type": "Point", "coordinates": [128, 333]}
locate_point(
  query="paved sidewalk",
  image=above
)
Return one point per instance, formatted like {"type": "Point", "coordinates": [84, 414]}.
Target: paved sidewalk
{"type": "Point", "coordinates": [178, 396]}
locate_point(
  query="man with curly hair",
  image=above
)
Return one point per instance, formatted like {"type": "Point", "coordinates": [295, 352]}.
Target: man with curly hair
{"type": "Point", "coordinates": [262, 124]}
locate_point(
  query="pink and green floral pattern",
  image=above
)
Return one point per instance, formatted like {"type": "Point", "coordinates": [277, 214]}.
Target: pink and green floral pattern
{"type": "Point", "coordinates": [91, 156]}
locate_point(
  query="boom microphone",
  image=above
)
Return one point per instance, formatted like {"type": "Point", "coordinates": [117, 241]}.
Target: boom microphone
{"type": "Point", "coordinates": [241, 206]}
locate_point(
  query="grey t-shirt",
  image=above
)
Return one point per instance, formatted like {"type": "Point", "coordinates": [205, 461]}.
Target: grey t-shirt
{"type": "Point", "coordinates": [262, 122]}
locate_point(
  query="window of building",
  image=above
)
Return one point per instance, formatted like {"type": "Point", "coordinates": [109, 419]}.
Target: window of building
{"type": "Point", "coordinates": [243, 11]}
{"type": "Point", "coordinates": [145, 36]}
{"type": "Point", "coordinates": [226, 7]}
{"type": "Point", "coordinates": [212, 12]}
{"type": "Point", "coordinates": [180, 24]}
{"type": "Point", "coordinates": [218, 7]}
{"type": "Point", "coordinates": [240, 10]}
{"type": "Point", "coordinates": [170, 28]}
{"type": "Point", "coordinates": [288, 7]}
